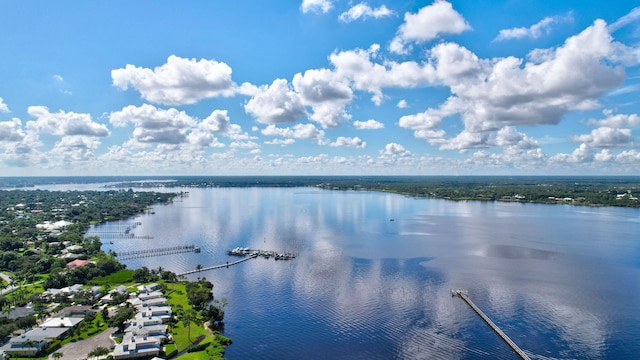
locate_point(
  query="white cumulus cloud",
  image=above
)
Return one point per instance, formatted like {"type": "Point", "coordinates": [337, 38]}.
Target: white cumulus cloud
{"type": "Point", "coordinates": [617, 120]}
{"type": "Point", "coordinates": [3, 106]}
{"type": "Point", "coordinates": [368, 125]}
{"type": "Point", "coordinates": [299, 131]}
{"type": "Point", "coordinates": [65, 123]}
{"type": "Point", "coordinates": [605, 137]}
{"type": "Point", "coordinates": [394, 149]}
{"type": "Point", "coordinates": [276, 104]}
{"type": "Point", "coordinates": [217, 122]}
{"type": "Point", "coordinates": [75, 148]}
{"type": "Point", "coordinates": [179, 81]}
{"type": "Point", "coordinates": [317, 6]}
{"type": "Point", "coordinates": [366, 75]}
{"type": "Point", "coordinates": [281, 142]}
{"type": "Point", "coordinates": [428, 23]}
{"type": "Point", "coordinates": [327, 93]}
{"type": "Point", "coordinates": [489, 94]}
{"type": "Point", "coordinates": [349, 142]}
{"type": "Point", "coordinates": [154, 125]}
{"type": "Point", "coordinates": [363, 10]}
{"type": "Point", "coordinates": [11, 131]}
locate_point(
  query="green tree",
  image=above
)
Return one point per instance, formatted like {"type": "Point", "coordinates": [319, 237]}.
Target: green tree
{"type": "Point", "coordinates": [99, 351]}
{"type": "Point", "coordinates": [188, 317]}
{"type": "Point", "coordinates": [120, 318]}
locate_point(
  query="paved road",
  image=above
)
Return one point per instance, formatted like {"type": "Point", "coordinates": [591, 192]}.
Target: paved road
{"type": "Point", "coordinates": [8, 280]}
{"type": "Point", "coordinates": [5, 277]}
{"type": "Point", "coordinates": [80, 349]}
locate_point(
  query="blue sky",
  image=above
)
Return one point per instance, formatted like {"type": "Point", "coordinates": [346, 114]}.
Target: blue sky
{"type": "Point", "coordinates": [319, 87]}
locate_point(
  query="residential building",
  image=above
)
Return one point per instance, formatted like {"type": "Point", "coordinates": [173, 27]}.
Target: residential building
{"type": "Point", "coordinates": [137, 347]}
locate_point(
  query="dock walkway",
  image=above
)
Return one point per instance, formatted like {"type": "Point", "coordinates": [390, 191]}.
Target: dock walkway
{"type": "Point", "coordinates": [128, 255]}
{"type": "Point", "coordinates": [463, 295]}
{"type": "Point", "coordinates": [249, 253]}
{"type": "Point", "coordinates": [252, 256]}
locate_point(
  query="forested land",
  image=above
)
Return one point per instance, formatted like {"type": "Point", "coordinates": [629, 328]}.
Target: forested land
{"type": "Point", "coordinates": [32, 247]}
{"type": "Point", "coordinates": [38, 231]}
{"type": "Point", "coordinates": [593, 191]}
{"type": "Point", "coordinates": [575, 190]}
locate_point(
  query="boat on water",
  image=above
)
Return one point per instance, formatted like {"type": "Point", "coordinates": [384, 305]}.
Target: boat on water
{"type": "Point", "coordinates": [239, 251]}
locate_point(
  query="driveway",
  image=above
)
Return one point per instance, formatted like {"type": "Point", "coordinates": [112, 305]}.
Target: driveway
{"type": "Point", "coordinates": [81, 349]}
{"type": "Point", "coordinates": [8, 280]}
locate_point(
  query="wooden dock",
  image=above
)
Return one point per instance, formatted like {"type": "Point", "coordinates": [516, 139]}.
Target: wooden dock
{"type": "Point", "coordinates": [226, 265]}
{"type": "Point", "coordinates": [247, 254]}
{"type": "Point", "coordinates": [128, 255]}
{"type": "Point", "coordinates": [463, 295]}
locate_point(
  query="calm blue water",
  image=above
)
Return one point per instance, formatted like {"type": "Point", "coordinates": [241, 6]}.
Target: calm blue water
{"type": "Point", "coordinates": [561, 281]}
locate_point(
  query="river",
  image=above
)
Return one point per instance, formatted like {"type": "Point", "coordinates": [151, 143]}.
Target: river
{"type": "Point", "coordinates": [374, 271]}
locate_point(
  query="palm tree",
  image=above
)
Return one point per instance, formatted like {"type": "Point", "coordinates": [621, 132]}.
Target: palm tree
{"type": "Point", "coordinates": [57, 355]}
{"type": "Point", "coordinates": [199, 268]}
{"type": "Point", "coordinates": [188, 317]}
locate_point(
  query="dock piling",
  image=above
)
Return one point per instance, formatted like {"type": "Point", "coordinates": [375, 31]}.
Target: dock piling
{"type": "Point", "coordinates": [463, 295]}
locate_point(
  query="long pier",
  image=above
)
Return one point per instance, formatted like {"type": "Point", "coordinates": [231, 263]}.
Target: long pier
{"type": "Point", "coordinates": [126, 236]}
{"type": "Point", "coordinates": [252, 256]}
{"type": "Point", "coordinates": [128, 255]}
{"type": "Point", "coordinates": [463, 295]}
{"type": "Point", "coordinates": [249, 253]}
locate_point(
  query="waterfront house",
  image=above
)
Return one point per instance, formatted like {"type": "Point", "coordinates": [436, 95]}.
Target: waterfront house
{"type": "Point", "coordinates": [77, 311]}
{"type": "Point", "coordinates": [33, 341]}
{"type": "Point", "coordinates": [148, 287]}
{"type": "Point", "coordinates": [120, 289]}
{"type": "Point", "coordinates": [137, 347]}
{"type": "Point", "coordinates": [157, 330]}
{"type": "Point", "coordinates": [68, 322]}
{"type": "Point", "coordinates": [69, 291]}
{"type": "Point", "coordinates": [163, 312]}
{"type": "Point", "coordinates": [146, 321]}
{"type": "Point", "coordinates": [23, 346]}
{"type": "Point", "coordinates": [148, 303]}
{"type": "Point", "coordinates": [150, 295]}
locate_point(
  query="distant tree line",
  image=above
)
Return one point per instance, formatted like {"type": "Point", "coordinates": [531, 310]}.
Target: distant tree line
{"type": "Point", "coordinates": [581, 190]}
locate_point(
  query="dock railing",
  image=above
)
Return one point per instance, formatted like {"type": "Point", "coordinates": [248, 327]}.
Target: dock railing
{"type": "Point", "coordinates": [463, 295]}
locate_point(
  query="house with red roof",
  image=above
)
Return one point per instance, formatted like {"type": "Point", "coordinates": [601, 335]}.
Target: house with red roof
{"type": "Point", "coordinates": [77, 263]}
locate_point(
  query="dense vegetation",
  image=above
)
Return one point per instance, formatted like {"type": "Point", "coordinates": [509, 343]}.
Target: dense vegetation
{"type": "Point", "coordinates": [576, 190]}
{"type": "Point", "coordinates": [30, 246]}
{"type": "Point", "coordinates": [38, 229]}
{"type": "Point", "coordinates": [595, 191]}
{"type": "Point", "coordinates": [34, 249]}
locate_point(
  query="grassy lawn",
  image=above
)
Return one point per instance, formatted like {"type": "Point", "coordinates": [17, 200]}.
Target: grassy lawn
{"type": "Point", "coordinates": [202, 355]}
{"type": "Point", "coordinates": [169, 348]}
{"type": "Point", "coordinates": [177, 297]}
{"type": "Point", "coordinates": [120, 277]}
{"type": "Point", "coordinates": [181, 334]}
{"type": "Point", "coordinates": [97, 326]}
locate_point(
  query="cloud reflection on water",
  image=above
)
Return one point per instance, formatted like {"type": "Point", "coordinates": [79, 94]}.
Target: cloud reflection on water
{"type": "Point", "coordinates": [359, 274]}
